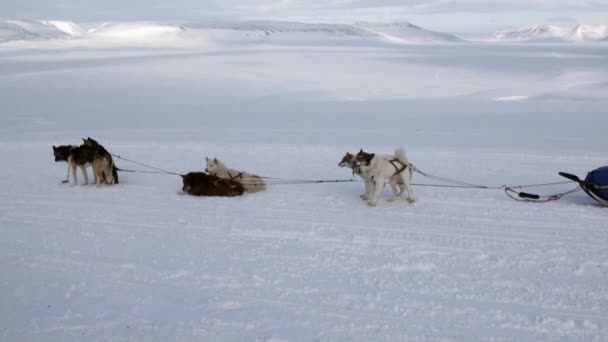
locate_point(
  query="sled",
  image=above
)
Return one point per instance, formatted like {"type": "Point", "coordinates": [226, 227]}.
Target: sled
{"type": "Point", "coordinates": [595, 184]}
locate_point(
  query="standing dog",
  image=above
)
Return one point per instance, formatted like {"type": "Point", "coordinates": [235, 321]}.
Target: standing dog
{"type": "Point", "coordinates": [202, 184]}
{"type": "Point", "coordinates": [377, 168]}
{"type": "Point", "coordinates": [103, 165]}
{"type": "Point", "coordinates": [62, 153]}
{"type": "Point", "coordinates": [251, 183]}
{"type": "Point", "coordinates": [76, 156]}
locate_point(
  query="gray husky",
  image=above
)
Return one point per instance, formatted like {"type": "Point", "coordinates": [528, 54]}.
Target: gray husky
{"type": "Point", "coordinates": [104, 169]}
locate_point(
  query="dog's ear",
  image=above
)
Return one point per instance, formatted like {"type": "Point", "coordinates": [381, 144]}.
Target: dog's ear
{"type": "Point", "coordinates": [54, 148]}
{"type": "Point", "coordinates": [215, 160]}
{"type": "Point", "coordinates": [361, 151]}
{"type": "Point", "coordinates": [183, 176]}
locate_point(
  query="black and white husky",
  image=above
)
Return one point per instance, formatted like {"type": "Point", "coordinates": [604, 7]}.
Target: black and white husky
{"type": "Point", "coordinates": [376, 168]}
{"type": "Point", "coordinates": [66, 153]}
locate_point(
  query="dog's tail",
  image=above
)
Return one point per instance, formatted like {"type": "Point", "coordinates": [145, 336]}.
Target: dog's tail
{"type": "Point", "coordinates": [401, 156]}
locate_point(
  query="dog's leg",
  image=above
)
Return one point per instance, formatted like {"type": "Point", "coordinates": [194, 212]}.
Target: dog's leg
{"type": "Point", "coordinates": [401, 184]}
{"type": "Point", "coordinates": [393, 183]}
{"type": "Point", "coordinates": [378, 186]}
{"type": "Point", "coordinates": [86, 175]}
{"type": "Point", "coordinates": [365, 195]}
{"type": "Point", "coordinates": [371, 189]}
{"type": "Point", "coordinates": [99, 178]}
{"type": "Point", "coordinates": [95, 178]}
{"type": "Point", "coordinates": [407, 183]}
{"type": "Point", "coordinates": [74, 174]}
{"type": "Point", "coordinates": [401, 189]}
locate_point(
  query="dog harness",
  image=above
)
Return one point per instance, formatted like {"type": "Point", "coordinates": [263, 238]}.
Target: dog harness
{"type": "Point", "coordinates": [239, 175]}
{"type": "Point", "coordinates": [398, 169]}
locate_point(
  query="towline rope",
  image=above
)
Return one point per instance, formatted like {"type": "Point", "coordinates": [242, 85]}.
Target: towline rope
{"type": "Point", "coordinates": [158, 170]}
{"type": "Point", "coordinates": [509, 190]}
{"type": "Point", "coordinates": [451, 183]}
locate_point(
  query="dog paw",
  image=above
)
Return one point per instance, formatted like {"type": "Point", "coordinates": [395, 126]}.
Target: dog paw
{"type": "Point", "coordinates": [363, 197]}
{"type": "Point", "coordinates": [371, 204]}
{"type": "Point", "coordinates": [411, 199]}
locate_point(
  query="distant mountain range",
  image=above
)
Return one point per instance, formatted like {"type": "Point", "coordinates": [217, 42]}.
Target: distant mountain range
{"type": "Point", "coordinates": [580, 33]}
{"type": "Point", "coordinates": [395, 33]}
{"type": "Point", "coordinates": [279, 31]}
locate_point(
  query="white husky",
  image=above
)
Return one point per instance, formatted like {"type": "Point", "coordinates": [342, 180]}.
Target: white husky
{"type": "Point", "coordinates": [251, 183]}
{"type": "Point", "coordinates": [377, 168]}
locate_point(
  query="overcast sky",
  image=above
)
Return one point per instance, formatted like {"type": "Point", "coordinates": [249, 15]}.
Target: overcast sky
{"type": "Point", "coordinates": [447, 15]}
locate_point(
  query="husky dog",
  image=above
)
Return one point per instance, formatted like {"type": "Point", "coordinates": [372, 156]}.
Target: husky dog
{"type": "Point", "coordinates": [202, 184]}
{"type": "Point", "coordinates": [104, 169]}
{"type": "Point", "coordinates": [350, 160]}
{"type": "Point", "coordinates": [252, 183]}
{"type": "Point", "coordinates": [62, 153]}
{"type": "Point", "coordinates": [377, 168]}
{"type": "Point", "coordinates": [76, 156]}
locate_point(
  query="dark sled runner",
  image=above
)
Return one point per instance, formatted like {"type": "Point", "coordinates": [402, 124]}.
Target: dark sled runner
{"type": "Point", "coordinates": [595, 184]}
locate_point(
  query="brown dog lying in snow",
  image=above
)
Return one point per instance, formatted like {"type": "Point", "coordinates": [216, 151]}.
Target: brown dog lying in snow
{"type": "Point", "coordinates": [202, 184]}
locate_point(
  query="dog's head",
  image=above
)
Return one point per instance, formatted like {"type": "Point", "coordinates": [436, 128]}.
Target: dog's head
{"type": "Point", "coordinates": [349, 160]}
{"type": "Point", "coordinates": [213, 165]}
{"type": "Point", "coordinates": [193, 179]}
{"type": "Point", "coordinates": [90, 142]}
{"type": "Point", "coordinates": [364, 158]}
{"type": "Point", "coordinates": [62, 153]}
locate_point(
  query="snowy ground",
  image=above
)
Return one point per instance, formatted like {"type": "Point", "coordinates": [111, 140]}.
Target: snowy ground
{"type": "Point", "coordinates": [137, 262]}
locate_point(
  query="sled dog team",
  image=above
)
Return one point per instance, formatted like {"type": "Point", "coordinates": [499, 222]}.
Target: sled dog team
{"type": "Point", "coordinates": [219, 180]}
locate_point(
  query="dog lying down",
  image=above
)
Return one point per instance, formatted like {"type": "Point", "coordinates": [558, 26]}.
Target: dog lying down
{"type": "Point", "coordinates": [202, 184]}
{"type": "Point", "coordinates": [251, 183]}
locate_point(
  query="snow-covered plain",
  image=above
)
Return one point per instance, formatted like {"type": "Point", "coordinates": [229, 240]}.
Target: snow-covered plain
{"type": "Point", "coordinates": [138, 262]}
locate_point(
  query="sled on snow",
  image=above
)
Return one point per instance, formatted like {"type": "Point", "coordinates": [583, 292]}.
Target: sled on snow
{"type": "Point", "coordinates": [595, 184]}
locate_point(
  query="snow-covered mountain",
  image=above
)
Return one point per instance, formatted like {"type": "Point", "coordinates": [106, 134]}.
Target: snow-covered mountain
{"type": "Point", "coordinates": [253, 31]}
{"type": "Point", "coordinates": [404, 32]}
{"type": "Point", "coordinates": [580, 33]}
{"type": "Point", "coordinates": [275, 27]}
{"type": "Point", "coordinates": [37, 30]}
{"type": "Point", "coordinates": [401, 32]}
{"type": "Point", "coordinates": [588, 33]}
